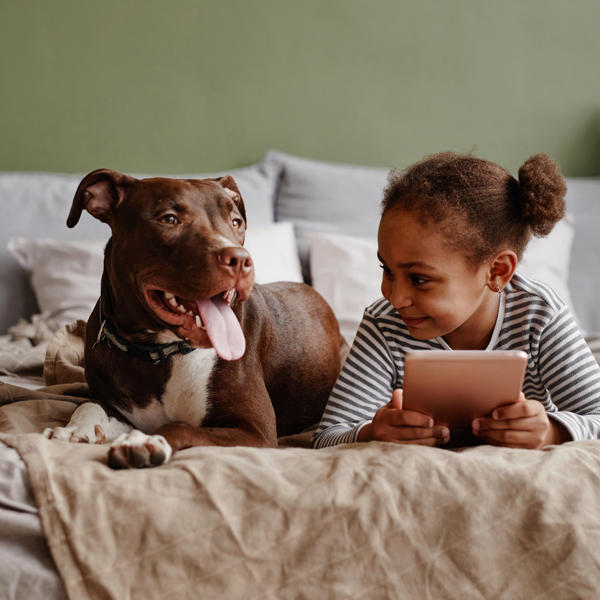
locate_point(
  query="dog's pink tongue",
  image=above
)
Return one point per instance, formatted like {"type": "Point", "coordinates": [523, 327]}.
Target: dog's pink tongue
{"type": "Point", "coordinates": [223, 328]}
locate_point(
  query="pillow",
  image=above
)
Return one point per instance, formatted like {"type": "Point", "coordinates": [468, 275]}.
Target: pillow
{"type": "Point", "coordinates": [65, 276]}
{"type": "Point", "coordinates": [36, 205]}
{"type": "Point", "coordinates": [346, 272]}
{"type": "Point", "coordinates": [582, 200]}
{"type": "Point", "coordinates": [274, 252]}
{"type": "Point", "coordinates": [547, 259]}
{"type": "Point", "coordinates": [327, 197]}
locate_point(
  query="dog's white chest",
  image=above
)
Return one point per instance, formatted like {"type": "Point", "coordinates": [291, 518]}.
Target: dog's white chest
{"type": "Point", "coordinates": [185, 397]}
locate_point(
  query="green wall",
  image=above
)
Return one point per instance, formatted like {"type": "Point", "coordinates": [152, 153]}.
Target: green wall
{"type": "Point", "coordinates": [180, 86]}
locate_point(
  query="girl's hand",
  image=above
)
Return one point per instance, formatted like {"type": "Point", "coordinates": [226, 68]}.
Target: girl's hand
{"type": "Point", "coordinates": [393, 424]}
{"type": "Point", "coordinates": [523, 424]}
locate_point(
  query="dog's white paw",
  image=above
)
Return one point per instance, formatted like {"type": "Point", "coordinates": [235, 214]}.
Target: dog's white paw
{"type": "Point", "coordinates": [136, 449]}
{"type": "Point", "coordinates": [89, 423]}
{"type": "Point", "coordinates": [88, 433]}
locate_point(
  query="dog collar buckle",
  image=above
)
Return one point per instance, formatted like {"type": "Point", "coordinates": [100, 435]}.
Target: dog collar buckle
{"type": "Point", "coordinates": [155, 353]}
{"type": "Point", "coordinates": [161, 352]}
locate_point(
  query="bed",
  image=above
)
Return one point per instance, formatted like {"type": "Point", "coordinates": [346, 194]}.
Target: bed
{"type": "Point", "coordinates": [360, 520]}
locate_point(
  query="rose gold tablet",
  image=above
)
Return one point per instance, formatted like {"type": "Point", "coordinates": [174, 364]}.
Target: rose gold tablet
{"type": "Point", "coordinates": [456, 386]}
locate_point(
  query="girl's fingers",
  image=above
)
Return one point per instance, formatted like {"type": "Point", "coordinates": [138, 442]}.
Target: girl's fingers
{"type": "Point", "coordinates": [392, 424]}
{"type": "Point", "coordinates": [396, 401]}
{"type": "Point", "coordinates": [411, 418]}
{"type": "Point", "coordinates": [518, 410]}
{"type": "Point", "coordinates": [523, 424]}
{"type": "Point", "coordinates": [416, 433]}
{"type": "Point", "coordinates": [512, 438]}
{"type": "Point", "coordinates": [436, 436]}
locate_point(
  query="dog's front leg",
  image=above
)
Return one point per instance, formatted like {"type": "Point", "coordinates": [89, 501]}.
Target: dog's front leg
{"type": "Point", "coordinates": [182, 435]}
{"type": "Point", "coordinates": [136, 449]}
{"type": "Point", "coordinates": [90, 424]}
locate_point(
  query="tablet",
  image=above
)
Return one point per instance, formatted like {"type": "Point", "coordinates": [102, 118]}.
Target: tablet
{"type": "Point", "coordinates": [456, 386]}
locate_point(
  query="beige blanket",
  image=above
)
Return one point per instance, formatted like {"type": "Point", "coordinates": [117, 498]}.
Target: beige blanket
{"type": "Point", "coordinates": [358, 521]}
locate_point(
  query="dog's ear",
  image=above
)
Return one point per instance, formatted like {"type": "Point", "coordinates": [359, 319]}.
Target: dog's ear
{"type": "Point", "coordinates": [230, 186]}
{"type": "Point", "coordinates": [99, 192]}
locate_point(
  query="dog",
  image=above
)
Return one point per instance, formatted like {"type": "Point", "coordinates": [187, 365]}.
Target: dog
{"type": "Point", "coordinates": [182, 348]}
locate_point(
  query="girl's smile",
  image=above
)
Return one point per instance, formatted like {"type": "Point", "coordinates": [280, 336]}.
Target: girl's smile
{"type": "Point", "coordinates": [412, 321]}
{"type": "Point", "coordinates": [433, 286]}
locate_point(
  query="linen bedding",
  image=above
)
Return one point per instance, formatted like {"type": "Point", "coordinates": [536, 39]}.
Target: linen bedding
{"type": "Point", "coordinates": [296, 523]}
{"type": "Point", "coordinates": [364, 520]}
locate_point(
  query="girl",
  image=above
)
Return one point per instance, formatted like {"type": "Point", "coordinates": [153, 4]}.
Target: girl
{"type": "Point", "coordinates": [451, 234]}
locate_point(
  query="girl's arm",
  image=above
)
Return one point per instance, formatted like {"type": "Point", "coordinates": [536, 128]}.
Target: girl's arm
{"type": "Point", "coordinates": [572, 376]}
{"type": "Point", "coordinates": [364, 385]}
{"type": "Point", "coordinates": [363, 405]}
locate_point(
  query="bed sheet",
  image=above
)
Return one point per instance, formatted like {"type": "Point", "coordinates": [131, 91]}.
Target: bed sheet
{"type": "Point", "coordinates": [360, 520]}
{"type": "Point", "coordinates": [26, 568]}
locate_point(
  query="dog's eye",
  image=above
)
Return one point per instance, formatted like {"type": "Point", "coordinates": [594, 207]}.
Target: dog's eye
{"type": "Point", "coordinates": [237, 223]}
{"type": "Point", "coordinates": [170, 219]}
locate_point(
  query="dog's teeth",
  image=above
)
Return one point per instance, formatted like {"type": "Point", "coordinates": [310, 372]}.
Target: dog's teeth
{"type": "Point", "coordinates": [168, 295]}
{"type": "Point", "coordinates": [198, 321]}
{"type": "Point", "coordinates": [172, 301]}
{"type": "Point", "coordinates": [181, 309]}
{"type": "Point", "coordinates": [189, 312]}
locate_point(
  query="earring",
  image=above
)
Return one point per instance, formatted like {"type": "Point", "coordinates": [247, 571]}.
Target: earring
{"type": "Point", "coordinates": [491, 286]}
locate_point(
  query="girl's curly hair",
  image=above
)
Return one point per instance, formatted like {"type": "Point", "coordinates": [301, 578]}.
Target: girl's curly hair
{"type": "Point", "coordinates": [478, 205]}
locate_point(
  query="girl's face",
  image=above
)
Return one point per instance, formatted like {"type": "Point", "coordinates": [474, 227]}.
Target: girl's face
{"type": "Point", "coordinates": [434, 288]}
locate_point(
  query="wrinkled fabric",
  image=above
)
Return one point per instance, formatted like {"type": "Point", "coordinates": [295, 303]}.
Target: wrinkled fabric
{"type": "Point", "coordinates": [26, 568]}
{"type": "Point", "coordinates": [372, 520]}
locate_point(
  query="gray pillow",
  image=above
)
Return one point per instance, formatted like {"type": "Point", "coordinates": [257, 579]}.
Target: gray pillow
{"type": "Point", "coordinates": [327, 197]}
{"type": "Point", "coordinates": [583, 204]}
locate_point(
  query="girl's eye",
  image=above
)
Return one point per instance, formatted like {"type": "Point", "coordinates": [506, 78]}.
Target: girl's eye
{"type": "Point", "coordinates": [170, 219]}
{"type": "Point", "coordinates": [236, 222]}
{"type": "Point", "coordinates": [386, 270]}
{"type": "Point", "coordinates": [418, 280]}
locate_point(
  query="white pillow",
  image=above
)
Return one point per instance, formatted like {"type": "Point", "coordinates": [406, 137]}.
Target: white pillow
{"type": "Point", "coordinates": [346, 272]}
{"type": "Point", "coordinates": [547, 259]}
{"type": "Point", "coordinates": [65, 276]}
{"type": "Point", "coordinates": [274, 252]}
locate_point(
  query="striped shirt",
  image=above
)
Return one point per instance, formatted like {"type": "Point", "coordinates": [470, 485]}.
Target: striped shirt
{"type": "Point", "coordinates": [562, 372]}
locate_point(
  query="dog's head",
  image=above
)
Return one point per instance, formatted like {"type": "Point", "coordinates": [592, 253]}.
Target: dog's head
{"type": "Point", "coordinates": [175, 259]}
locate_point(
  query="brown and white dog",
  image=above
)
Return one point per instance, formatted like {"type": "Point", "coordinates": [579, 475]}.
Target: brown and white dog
{"type": "Point", "coordinates": [182, 348]}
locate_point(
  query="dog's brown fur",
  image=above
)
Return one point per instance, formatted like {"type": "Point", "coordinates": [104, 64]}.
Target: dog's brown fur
{"type": "Point", "coordinates": [281, 383]}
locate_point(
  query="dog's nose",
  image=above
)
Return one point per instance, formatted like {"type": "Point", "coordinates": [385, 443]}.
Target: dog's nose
{"type": "Point", "coordinates": [236, 260]}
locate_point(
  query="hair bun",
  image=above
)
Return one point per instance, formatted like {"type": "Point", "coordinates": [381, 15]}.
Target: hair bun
{"type": "Point", "coordinates": [543, 190]}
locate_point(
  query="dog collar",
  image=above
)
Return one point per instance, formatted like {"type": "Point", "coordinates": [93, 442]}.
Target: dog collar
{"type": "Point", "coordinates": [154, 353]}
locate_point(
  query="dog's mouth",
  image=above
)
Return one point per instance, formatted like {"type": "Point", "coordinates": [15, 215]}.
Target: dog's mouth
{"type": "Point", "coordinates": [204, 322]}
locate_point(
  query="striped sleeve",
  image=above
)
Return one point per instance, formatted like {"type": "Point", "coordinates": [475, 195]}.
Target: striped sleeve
{"type": "Point", "coordinates": [364, 385]}
{"type": "Point", "coordinates": [572, 376]}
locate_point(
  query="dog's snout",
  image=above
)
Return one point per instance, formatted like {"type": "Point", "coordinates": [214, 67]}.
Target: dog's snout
{"type": "Point", "coordinates": [235, 259]}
